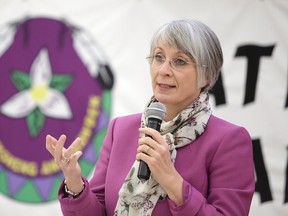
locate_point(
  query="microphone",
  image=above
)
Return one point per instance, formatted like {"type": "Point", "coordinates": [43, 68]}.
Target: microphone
{"type": "Point", "coordinates": [155, 114]}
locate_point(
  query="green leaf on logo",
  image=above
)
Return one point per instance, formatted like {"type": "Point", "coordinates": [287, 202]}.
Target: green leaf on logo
{"type": "Point", "coordinates": [61, 82]}
{"type": "Point", "coordinates": [21, 80]}
{"type": "Point", "coordinates": [35, 121]}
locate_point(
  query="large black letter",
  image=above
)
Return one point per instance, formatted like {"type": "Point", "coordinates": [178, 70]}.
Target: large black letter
{"type": "Point", "coordinates": [253, 54]}
{"type": "Point", "coordinates": [262, 183]}
{"type": "Point", "coordinates": [286, 104]}
{"type": "Point", "coordinates": [286, 187]}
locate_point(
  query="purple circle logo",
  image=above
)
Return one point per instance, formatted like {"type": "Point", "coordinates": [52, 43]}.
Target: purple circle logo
{"type": "Point", "coordinates": [54, 80]}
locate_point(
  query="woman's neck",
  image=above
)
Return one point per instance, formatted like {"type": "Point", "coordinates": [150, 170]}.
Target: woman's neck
{"type": "Point", "coordinates": [171, 112]}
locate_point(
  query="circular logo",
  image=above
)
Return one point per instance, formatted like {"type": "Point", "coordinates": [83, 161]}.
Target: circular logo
{"type": "Point", "coordinates": [54, 80]}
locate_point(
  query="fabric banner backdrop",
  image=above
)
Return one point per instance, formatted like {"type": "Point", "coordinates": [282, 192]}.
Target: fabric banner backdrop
{"type": "Point", "coordinates": [70, 66]}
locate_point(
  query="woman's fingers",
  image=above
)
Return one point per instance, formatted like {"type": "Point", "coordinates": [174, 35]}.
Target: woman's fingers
{"type": "Point", "coordinates": [154, 135]}
{"type": "Point", "coordinates": [57, 150]}
{"type": "Point", "coordinates": [50, 144]}
{"type": "Point", "coordinates": [153, 140]}
{"type": "Point", "coordinates": [75, 157]}
{"type": "Point", "coordinates": [144, 148]}
{"type": "Point", "coordinates": [67, 159]}
{"type": "Point", "coordinates": [152, 148]}
{"type": "Point", "coordinates": [59, 147]}
{"type": "Point", "coordinates": [72, 148]}
{"type": "Point", "coordinates": [150, 132]}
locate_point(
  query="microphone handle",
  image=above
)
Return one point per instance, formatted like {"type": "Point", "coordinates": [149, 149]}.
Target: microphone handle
{"type": "Point", "coordinates": [144, 171]}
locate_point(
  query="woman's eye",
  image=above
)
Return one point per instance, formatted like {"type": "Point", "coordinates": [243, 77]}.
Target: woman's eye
{"type": "Point", "coordinates": [179, 61]}
{"type": "Point", "coordinates": [159, 58]}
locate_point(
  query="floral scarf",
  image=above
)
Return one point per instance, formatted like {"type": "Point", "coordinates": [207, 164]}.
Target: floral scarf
{"type": "Point", "coordinates": [138, 198]}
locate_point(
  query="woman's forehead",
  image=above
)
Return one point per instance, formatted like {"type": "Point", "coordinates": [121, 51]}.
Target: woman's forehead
{"type": "Point", "coordinates": [164, 44]}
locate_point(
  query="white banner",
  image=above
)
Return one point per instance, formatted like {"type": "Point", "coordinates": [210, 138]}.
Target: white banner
{"type": "Point", "coordinates": [252, 91]}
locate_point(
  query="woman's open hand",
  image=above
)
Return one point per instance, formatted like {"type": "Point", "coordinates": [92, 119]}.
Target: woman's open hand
{"type": "Point", "coordinates": [67, 160]}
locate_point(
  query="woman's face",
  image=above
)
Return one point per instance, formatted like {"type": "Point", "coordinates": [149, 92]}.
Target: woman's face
{"type": "Point", "coordinates": [174, 83]}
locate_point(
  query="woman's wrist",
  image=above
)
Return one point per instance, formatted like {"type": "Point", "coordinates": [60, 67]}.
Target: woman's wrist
{"type": "Point", "coordinates": [74, 191]}
{"type": "Point", "coordinates": [174, 188]}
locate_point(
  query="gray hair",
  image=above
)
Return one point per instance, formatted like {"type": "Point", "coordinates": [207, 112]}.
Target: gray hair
{"type": "Point", "coordinates": [196, 40]}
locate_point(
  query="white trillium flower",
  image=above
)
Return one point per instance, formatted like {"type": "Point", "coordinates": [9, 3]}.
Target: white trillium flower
{"type": "Point", "coordinates": [50, 101]}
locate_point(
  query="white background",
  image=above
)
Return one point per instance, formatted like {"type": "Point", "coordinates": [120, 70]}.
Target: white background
{"type": "Point", "coordinates": [123, 29]}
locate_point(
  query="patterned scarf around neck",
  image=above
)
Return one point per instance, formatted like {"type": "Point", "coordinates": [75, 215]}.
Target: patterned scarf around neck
{"type": "Point", "coordinates": [138, 198]}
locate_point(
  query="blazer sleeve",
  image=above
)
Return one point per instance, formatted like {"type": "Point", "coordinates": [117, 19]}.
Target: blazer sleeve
{"type": "Point", "coordinates": [231, 180]}
{"type": "Point", "coordinates": [92, 200]}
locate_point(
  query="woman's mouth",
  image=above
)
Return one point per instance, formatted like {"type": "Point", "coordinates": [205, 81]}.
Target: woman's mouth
{"type": "Point", "coordinates": [165, 86]}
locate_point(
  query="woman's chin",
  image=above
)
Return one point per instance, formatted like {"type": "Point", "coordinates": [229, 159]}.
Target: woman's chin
{"type": "Point", "coordinates": [165, 99]}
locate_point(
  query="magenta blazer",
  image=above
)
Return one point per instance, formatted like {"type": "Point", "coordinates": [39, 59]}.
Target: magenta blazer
{"type": "Point", "coordinates": [217, 168]}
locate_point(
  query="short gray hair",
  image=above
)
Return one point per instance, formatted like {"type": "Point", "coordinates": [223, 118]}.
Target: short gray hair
{"type": "Point", "coordinates": [196, 40]}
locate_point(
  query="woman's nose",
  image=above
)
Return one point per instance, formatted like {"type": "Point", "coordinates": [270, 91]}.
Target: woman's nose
{"type": "Point", "coordinates": [165, 69]}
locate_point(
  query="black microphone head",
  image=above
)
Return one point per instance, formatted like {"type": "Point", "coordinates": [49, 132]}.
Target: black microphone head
{"type": "Point", "coordinates": [156, 110]}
